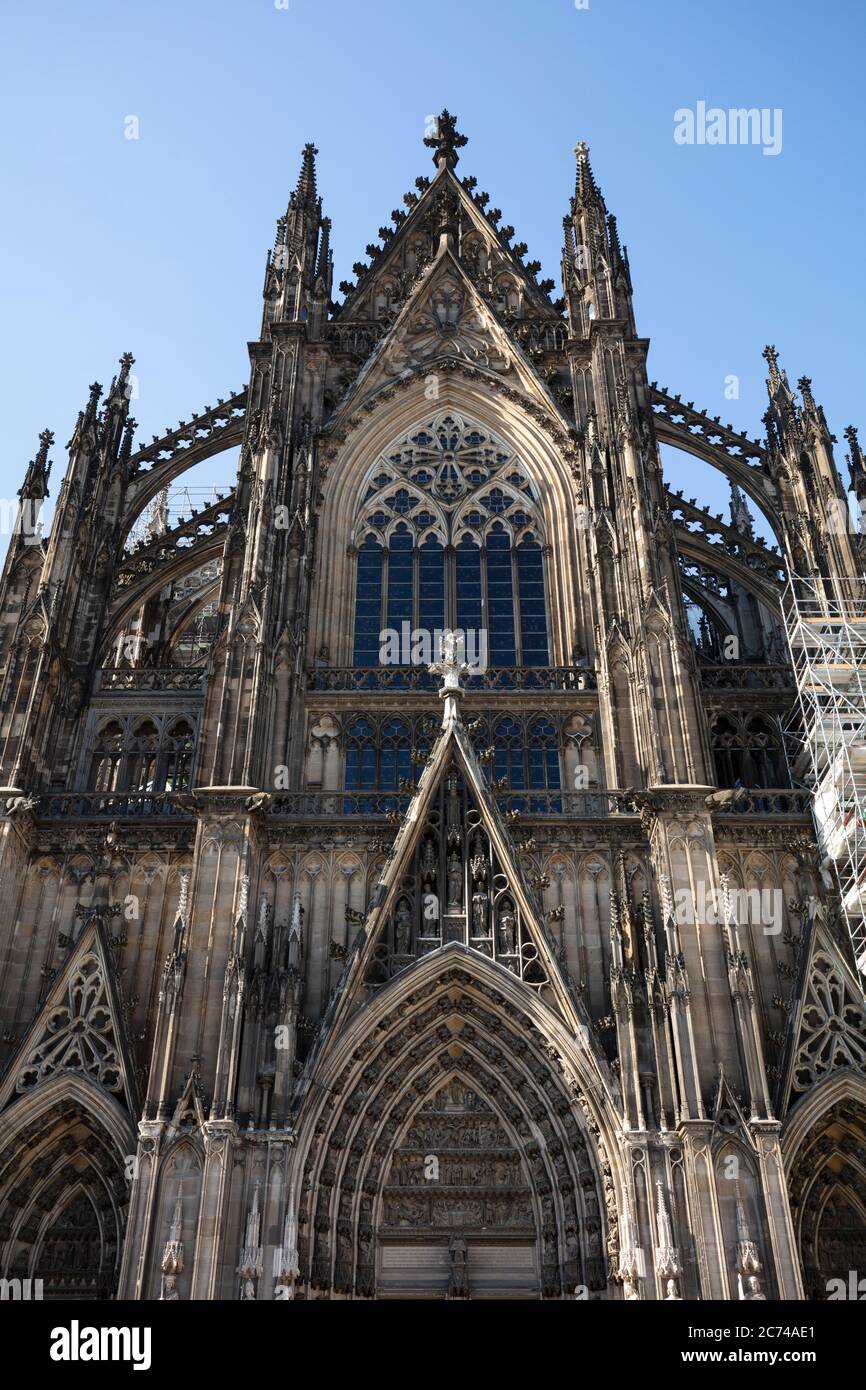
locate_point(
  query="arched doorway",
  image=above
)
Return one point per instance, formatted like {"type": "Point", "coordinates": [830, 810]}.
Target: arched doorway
{"type": "Point", "coordinates": [76, 1256]}
{"type": "Point", "coordinates": [455, 1155]}
{"type": "Point", "coordinates": [828, 1189]}
{"type": "Point", "coordinates": [457, 1215]}
{"type": "Point", "coordinates": [64, 1190]}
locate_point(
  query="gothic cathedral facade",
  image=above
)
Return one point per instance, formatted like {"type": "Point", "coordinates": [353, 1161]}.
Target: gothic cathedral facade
{"type": "Point", "coordinates": [406, 892]}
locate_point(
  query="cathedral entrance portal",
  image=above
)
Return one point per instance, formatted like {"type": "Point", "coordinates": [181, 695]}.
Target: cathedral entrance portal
{"type": "Point", "coordinates": [457, 1161]}
{"type": "Point", "coordinates": [457, 1209]}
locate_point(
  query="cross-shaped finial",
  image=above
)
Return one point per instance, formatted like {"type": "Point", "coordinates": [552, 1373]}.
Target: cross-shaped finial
{"type": "Point", "coordinates": [445, 140]}
{"type": "Point", "coordinates": [771, 357]}
{"type": "Point", "coordinates": [450, 667]}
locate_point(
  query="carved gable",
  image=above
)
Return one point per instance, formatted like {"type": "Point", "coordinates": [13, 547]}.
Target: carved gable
{"type": "Point", "coordinates": [80, 1028]}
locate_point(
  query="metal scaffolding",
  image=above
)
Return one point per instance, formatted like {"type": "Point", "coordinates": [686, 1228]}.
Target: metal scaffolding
{"type": "Point", "coordinates": [826, 626]}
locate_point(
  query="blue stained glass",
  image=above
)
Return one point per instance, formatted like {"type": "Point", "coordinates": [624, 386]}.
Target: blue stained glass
{"type": "Point", "coordinates": [400, 567]}
{"type": "Point", "coordinates": [431, 573]}
{"type": "Point", "coordinates": [401, 502]}
{"type": "Point", "coordinates": [468, 586]}
{"type": "Point", "coordinates": [500, 597]}
{"type": "Point", "coordinates": [533, 619]}
{"type": "Point", "coordinates": [492, 587]}
{"type": "Point", "coordinates": [368, 604]}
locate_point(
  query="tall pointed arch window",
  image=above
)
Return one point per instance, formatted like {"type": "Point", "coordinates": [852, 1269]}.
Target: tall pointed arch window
{"type": "Point", "coordinates": [449, 534]}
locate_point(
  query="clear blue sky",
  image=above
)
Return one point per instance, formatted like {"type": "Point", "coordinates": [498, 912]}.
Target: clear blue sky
{"type": "Point", "coordinates": [157, 245]}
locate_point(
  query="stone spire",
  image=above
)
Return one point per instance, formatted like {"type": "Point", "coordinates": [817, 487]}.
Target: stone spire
{"type": "Point", "coordinates": [305, 195]}
{"type": "Point", "coordinates": [298, 272]}
{"type": "Point", "coordinates": [596, 278]}
{"type": "Point", "coordinates": [286, 1266]}
{"type": "Point", "coordinates": [35, 485]}
{"type": "Point", "coordinates": [156, 523]}
{"type": "Point", "coordinates": [172, 1255]}
{"type": "Point", "coordinates": [741, 518]}
{"type": "Point", "coordinates": [250, 1264]}
{"type": "Point", "coordinates": [667, 1255]}
{"type": "Point", "coordinates": [586, 191]}
{"type": "Point", "coordinates": [748, 1265]}
{"type": "Point", "coordinates": [325, 262]}
{"type": "Point", "coordinates": [856, 461]}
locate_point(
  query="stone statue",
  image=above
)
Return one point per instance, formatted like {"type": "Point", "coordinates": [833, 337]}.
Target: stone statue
{"type": "Point", "coordinates": [507, 930]}
{"type": "Point", "coordinates": [753, 1290]}
{"type": "Point", "coordinates": [169, 1289]}
{"type": "Point", "coordinates": [671, 1293]}
{"type": "Point", "coordinates": [263, 924]}
{"type": "Point", "coordinates": [630, 1293]}
{"type": "Point", "coordinates": [402, 928]}
{"type": "Point", "coordinates": [458, 1279]}
{"type": "Point", "coordinates": [479, 914]}
{"type": "Point", "coordinates": [455, 881]}
{"type": "Point", "coordinates": [428, 865]}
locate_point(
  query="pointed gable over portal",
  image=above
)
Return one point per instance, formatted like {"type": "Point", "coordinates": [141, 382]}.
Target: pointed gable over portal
{"type": "Point", "coordinates": [453, 878]}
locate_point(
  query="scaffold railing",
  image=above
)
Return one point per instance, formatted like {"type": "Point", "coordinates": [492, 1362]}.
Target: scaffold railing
{"type": "Point", "coordinates": [825, 621]}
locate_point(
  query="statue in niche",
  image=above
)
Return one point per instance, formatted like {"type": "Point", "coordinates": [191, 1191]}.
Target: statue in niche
{"type": "Point", "coordinates": [507, 930]}
{"type": "Point", "coordinates": [479, 914]}
{"type": "Point", "coordinates": [630, 1293]}
{"type": "Point", "coordinates": [671, 1293]}
{"type": "Point", "coordinates": [458, 1279]}
{"type": "Point", "coordinates": [402, 928]}
{"type": "Point", "coordinates": [478, 863]}
{"type": "Point", "coordinates": [428, 866]}
{"type": "Point", "coordinates": [455, 881]}
{"type": "Point", "coordinates": [753, 1290]}
{"type": "Point", "coordinates": [169, 1289]}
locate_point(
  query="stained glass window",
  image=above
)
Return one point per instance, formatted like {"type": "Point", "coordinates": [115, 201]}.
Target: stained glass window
{"type": "Point", "coordinates": [450, 535]}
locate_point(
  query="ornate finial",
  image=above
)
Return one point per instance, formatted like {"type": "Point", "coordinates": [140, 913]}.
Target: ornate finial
{"type": "Point", "coordinates": [286, 1264]}
{"type": "Point", "coordinates": [263, 924]}
{"type": "Point", "coordinates": [445, 140]}
{"type": "Point", "coordinates": [586, 189]}
{"type": "Point", "coordinates": [748, 1257]}
{"type": "Point", "coordinates": [741, 517]}
{"type": "Point", "coordinates": [307, 177]}
{"type": "Point", "coordinates": [244, 898]}
{"type": "Point", "coordinates": [250, 1265]}
{"type": "Point", "coordinates": [727, 905]}
{"type": "Point", "coordinates": [450, 667]}
{"type": "Point", "coordinates": [323, 263]}
{"type": "Point", "coordinates": [665, 895]}
{"type": "Point", "coordinates": [93, 401]}
{"type": "Point", "coordinates": [855, 458]}
{"type": "Point", "coordinates": [805, 385]}
{"type": "Point", "coordinates": [183, 901]}
{"type": "Point", "coordinates": [667, 1254]}
{"type": "Point", "coordinates": [772, 359]}
{"type": "Point", "coordinates": [156, 520]}
{"type": "Point", "coordinates": [35, 485]}
{"type": "Point", "coordinates": [171, 1263]}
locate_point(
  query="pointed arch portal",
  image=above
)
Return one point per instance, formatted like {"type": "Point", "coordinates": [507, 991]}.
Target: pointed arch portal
{"type": "Point", "coordinates": [451, 1064]}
